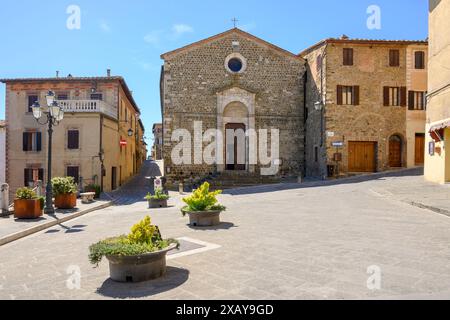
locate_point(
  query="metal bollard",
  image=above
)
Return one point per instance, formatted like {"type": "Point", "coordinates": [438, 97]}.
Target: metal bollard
{"type": "Point", "coordinates": [4, 199]}
{"type": "Point", "coordinates": [181, 188]}
{"type": "Point", "coordinates": [39, 188]}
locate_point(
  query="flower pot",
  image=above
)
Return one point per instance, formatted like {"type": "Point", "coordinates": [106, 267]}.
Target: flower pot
{"type": "Point", "coordinates": [157, 203]}
{"type": "Point", "coordinates": [27, 209]}
{"type": "Point", "coordinates": [204, 218]}
{"type": "Point", "coordinates": [138, 268]}
{"type": "Point", "coordinates": [66, 201]}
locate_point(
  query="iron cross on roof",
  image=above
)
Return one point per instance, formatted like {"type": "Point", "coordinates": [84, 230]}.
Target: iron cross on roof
{"type": "Point", "coordinates": [235, 21]}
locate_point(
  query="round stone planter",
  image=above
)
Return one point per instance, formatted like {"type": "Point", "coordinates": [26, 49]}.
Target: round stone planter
{"type": "Point", "coordinates": [204, 218]}
{"type": "Point", "coordinates": [139, 268]}
{"type": "Point", "coordinates": [154, 203]}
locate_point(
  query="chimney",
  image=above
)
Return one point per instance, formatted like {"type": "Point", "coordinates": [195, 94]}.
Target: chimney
{"type": "Point", "coordinates": [57, 74]}
{"type": "Point", "coordinates": [108, 72]}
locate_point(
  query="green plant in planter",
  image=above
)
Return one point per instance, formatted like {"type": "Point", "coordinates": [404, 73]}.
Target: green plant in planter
{"type": "Point", "coordinates": [26, 194]}
{"type": "Point", "coordinates": [202, 200]}
{"type": "Point", "coordinates": [64, 185]}
{"type": "Point", "coordinates": [143, 238]}
{"type": "Point", "coordinates": [93, 188]}
{"type": "Point", "coordinates": [159, 195]}
{"type": "Point", "coordinates": [42, 202]}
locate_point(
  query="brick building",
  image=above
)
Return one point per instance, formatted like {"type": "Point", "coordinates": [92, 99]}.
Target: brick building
{"type": "Point", "coordinates": [233, 81]}
{"type": "Point", "coordinates": [365, 105]}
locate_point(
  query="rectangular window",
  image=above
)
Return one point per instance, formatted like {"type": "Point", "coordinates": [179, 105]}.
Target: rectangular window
{"type": "Point", "coordinates": [316, 154]}
{"type": "Point", "coordinates": [394, 96]}
{"type": "Point", "coordinates": [348, 57]}
{"type": "Point", "coordinates": [62, 96]}
{"type": "Point", "coordinates": [32, 141]}
{"type": "Point", "coordinates": [394, 58]}
{"type": "Point", "coordinates": [32, 175]}
{"type": "Point", "coordinates": [96, 96]}
{"type": "Point", "coordinates": [31, 100]}
{"type": "Point", "coordinates": [74, 171]}
{"type": "Point", "coordinates": [416, 100]}
{"type": "Point", "coordinates": [73, 139]}
{"type": "Point", "coordinates": [419, 60]}
{"type": "Point", "coordinates": [348, 95]}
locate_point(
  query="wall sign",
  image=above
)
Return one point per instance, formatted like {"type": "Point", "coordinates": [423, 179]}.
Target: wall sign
{"type": "Point", "coordinates": [330, 134]}
{"type": "Point", "coordinates": [338, 144]}
{"type": "Point", "coordinates": [431, 148]}
{"type": "Point", "coordinates": [123, 142]}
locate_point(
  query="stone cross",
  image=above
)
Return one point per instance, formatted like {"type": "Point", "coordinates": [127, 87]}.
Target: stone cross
{"type": "Point", "coordinates": [235, 21]}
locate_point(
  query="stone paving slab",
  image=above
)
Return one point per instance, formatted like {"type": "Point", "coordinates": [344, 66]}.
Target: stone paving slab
{"type": "Point", "coordinates": [12, 229]}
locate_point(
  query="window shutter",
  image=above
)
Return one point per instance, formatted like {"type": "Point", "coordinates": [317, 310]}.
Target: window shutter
{"type": "Point", "coordinates": [73, 139]}
{"type": "Point", "coordinates": [386, 96]}
{"type": "Point", "coordinates": [25, 141]}
{"type": "Point", "coordinates": [38, 141]}
{"type": "Point", "coordinates": [419, 59]}
{"type": "Point", "coordinates": [339, 95]}
{"type": "Point", "coordinates": [356, 95]}
{"type": "Point", "coordinates": [348, 56]}
{"type": "Point", "coordinates": [403, 96]}
{"type": "Point", "coordinates": [411, 100]}
{"type": "Point", "coordinates": [26, 177]}
{"type": "Point", "coordinates": [394, 58]}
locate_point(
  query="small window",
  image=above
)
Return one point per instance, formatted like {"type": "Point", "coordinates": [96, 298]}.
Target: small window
{"type": "Point", "coordinates": [319, 63]}
{"type": "Point", "coordinates": [416, 100]}
{"type": "Point", "coordinates": [74, 172]}
{"type": "Point", "coordinates": [235, 65]}
{"type": "Point", "coordinates": [316, 154]}
{"type": "Point", "coordinates": [348, 56]}
{"type": "Point", "coordinates": [394, 58]}
{"type": "Point", "coordinates": [419, 60]}
{"type": "Point", "coordinates": [32, 175]}
{"type": "Point", "coordinates": [394, 96]}
{"type": "Point", "coordinates": [348, 95]}
{"type": "Point", "coordinates": [96, 96]}
{"type": "Point", "coordinates": [32, 141]}
{"type": "Point", "coordinates": [73, 139]}
{"type": "Point", "coordinates": [31, 100]}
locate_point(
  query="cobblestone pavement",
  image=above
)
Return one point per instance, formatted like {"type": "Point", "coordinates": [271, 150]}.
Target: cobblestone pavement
{"type": "Point", "coordinates": [313, 242]}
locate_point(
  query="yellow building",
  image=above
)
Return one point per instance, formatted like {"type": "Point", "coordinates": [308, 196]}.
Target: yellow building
{"type": "Point", "coordinates": [437, 159]}
{"type": "Point", "coordinates": [99, 141]}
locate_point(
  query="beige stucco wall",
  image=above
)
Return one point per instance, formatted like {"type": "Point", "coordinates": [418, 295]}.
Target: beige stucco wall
{"type": "Point", "coordinates": [437, 167]}
{"type": "Point", "coordinates": [2, 154]}
{"type": "Point", "coordinates": [416, 80]}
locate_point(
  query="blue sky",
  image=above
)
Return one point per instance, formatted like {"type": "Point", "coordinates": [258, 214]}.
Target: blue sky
{"type": "Point", "coordinates": [129, 36]}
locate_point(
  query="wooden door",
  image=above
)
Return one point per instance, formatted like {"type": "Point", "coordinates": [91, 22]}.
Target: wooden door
{"type": "Point", "coordinates": [395, 152]}
{"type": "Point", "coordinates": [233, 149]}
{"type": "Point", "coordinates": [420, 149]}
{"type": "Point", "coordinates": [361, 156]}
{"type": "Point", "coordinates": [113, 178]}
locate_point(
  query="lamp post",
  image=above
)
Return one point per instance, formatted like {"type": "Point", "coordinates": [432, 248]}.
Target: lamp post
{"type": "Point", "coordinates": [52, 115]}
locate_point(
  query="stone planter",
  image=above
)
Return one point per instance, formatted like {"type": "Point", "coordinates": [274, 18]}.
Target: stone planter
{"type": "Point", "coordinates": [139, 268]}
{"type": "Point", "coordinates": [155, 203]}
{"type": "Point", "coordinates": [66, 201]}
{"type": "Point", "coordinates": [204, 218]}
{"type": "Point", "coordinates": [27, 209]}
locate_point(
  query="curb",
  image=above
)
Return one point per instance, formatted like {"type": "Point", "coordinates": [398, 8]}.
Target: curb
{"type": "Point", "coordinates": [24, 233]}
{"type": "Point", "coordinates": [431, 208]}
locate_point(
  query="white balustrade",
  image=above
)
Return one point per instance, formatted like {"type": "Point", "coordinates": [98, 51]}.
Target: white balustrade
{"type": "Point", "coordinates": [91, 106]}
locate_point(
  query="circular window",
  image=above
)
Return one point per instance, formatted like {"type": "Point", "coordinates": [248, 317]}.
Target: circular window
{"type": "Point", "coordinates": [235, 64]}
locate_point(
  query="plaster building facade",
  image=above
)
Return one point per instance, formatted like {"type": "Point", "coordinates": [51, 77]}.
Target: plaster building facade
{"type": "Point", "coordinates": [97, 142]}
{"type": "Point", "coordinates": [2, 151]}
{"type": "Point", "coordinates": [437, 161]}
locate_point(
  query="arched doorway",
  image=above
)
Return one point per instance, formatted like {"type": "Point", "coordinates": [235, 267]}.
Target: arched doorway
{"type": "Point", "coordinates": [395, 151]}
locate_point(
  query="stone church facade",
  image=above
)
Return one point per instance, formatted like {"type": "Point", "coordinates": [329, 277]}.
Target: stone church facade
{"type": "Point", "coordinates": [233, 81]}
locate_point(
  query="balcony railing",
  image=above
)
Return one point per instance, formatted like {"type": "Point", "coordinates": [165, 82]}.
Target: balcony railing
{"type": "Point", "coordinates": [91, 106]}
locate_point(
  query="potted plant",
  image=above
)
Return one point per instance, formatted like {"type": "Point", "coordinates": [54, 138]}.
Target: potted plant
{"type": "Point", "coordinates": [158, 200]}
{"type": "Point", "coordinates": [65, 190]}
{"type": "Point", "coordinates": [27, 205]}
{"type": "Point", "coordinates": [203, 207]}
{"type": "Point", "coordinates": [137, 257]}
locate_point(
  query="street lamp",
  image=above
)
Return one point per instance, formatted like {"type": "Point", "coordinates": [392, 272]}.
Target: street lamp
{"type": "Point", "coordinates": [52, 116]}
{"type": "Point", "coordinates": [130, 132]}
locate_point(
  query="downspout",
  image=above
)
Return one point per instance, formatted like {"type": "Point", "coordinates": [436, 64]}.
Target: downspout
{"type": "Point", "coordinates": [100, 152]}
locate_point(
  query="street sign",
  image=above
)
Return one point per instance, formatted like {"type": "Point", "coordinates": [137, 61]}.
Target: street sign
{"type": "Point", "coordinates": [157, 183]}
{"type": "Point", "coordinates": [330, 134]}
{"type": "Point", "coordinates": [337, 144]}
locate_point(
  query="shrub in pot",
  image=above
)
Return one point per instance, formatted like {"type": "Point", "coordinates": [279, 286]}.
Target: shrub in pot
{"type": "Point", "coordinates": [137, 257]}
{"type": "Point", "coordinates": [203, 207]}
{"type": "Point", "coordinates": [65, 191]}
{"type": "Point", "coordinates": [27, 205]}
{"type": "Point", "coordinates": [158, 200]}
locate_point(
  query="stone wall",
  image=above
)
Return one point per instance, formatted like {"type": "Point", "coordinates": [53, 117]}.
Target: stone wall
{"type": "Point", "coordinates": [194, 77]}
